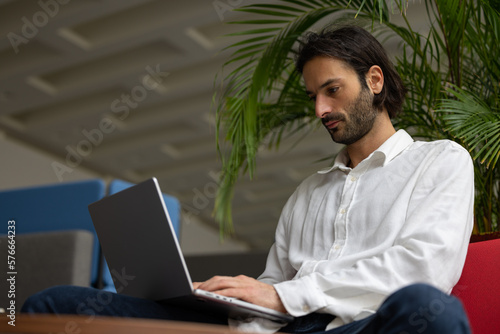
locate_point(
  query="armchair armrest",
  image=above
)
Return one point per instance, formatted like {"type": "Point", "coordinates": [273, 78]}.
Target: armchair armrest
{"type": "Point", "coordinates": [47, 259]}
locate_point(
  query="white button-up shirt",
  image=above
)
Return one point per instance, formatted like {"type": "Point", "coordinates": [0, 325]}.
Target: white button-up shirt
{"type": "Point", "coordinates": [347, 238]}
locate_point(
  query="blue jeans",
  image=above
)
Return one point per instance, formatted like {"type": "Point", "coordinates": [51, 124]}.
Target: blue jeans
{"type": "Point", "coordinates": [415, 309]}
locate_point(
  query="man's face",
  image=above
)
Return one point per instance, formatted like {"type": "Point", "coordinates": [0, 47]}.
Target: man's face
{"type": "Point", "coordinates": [344, 106]}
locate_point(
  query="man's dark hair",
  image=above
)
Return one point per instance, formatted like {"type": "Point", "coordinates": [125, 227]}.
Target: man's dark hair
{"type": "Point", "coordinates": [360, 50]}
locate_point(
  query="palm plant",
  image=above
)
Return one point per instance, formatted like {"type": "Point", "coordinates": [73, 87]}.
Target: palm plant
{"type": "Point", "coordinates": [452, 74]}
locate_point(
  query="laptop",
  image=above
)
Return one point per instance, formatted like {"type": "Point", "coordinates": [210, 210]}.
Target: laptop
{"type": "Point", "coordinates": [140, 246]}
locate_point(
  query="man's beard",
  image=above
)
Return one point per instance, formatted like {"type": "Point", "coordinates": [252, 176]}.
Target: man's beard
{"type": "Point", "coordinates": [360, 118]}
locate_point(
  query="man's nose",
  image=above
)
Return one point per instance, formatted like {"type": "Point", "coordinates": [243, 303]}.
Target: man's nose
{"type": "Point", "coordinates": [322, 107]}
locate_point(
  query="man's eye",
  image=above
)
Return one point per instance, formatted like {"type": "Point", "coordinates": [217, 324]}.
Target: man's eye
{"type": "Point", "coordinates": [312, 98]}
{"type": "Point", "coordinates": [332, 90]}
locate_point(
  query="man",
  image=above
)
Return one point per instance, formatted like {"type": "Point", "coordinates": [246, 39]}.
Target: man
{"type": "Point", "coordinates": [353, 240]}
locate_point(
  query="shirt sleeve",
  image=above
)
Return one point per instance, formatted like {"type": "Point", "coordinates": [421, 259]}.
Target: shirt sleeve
{"type": "Point", "coordinates": [430, 248]}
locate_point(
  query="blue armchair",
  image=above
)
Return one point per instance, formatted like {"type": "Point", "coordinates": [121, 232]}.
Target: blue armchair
{"type": "Point", "coordinates": [63, 207]}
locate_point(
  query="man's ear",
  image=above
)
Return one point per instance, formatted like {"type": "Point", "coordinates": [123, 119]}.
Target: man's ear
{"type": "Point", "coordinates": [375, 79]}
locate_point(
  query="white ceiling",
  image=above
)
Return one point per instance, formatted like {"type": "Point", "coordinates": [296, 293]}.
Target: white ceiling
{"type": "Point", "coordinates": [127, 85]}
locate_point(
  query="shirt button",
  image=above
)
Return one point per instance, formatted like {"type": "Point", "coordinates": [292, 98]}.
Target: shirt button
{"type": "Point", "coordinates": [337, 247]}
{"type": "Point", "coordinates": [353, 178]}
{"type": "Point", "coordinates": [305, 308]}
{"type": "Point", "coordinates": [342, 211]}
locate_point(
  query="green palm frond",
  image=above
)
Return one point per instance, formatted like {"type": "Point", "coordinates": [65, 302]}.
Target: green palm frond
{"type": "Point", "coordinates": [261, 99]}
{"type": "Point", "coordinates": [467, 116]}
{"type": "Point", "coordinates": [241, 105]}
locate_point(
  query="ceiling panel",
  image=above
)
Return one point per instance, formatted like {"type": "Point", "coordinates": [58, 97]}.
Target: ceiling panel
{"type": "Point", "coordinates": [127, 85]}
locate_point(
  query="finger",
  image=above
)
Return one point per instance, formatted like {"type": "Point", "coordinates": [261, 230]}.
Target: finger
{"type": "Point", "coordinates": [232, 292]}
{"type": "Point", "coordinates": [218, 283]}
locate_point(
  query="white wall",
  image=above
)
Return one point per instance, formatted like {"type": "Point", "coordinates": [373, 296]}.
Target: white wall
{"type": "Point", "coordinates": [24, 166]}
{"type": "Point", "coordinates": [199, 239]}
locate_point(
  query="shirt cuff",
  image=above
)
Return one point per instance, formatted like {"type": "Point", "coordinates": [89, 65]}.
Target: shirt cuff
{"type": "Point", "coordinates": [300, 297]}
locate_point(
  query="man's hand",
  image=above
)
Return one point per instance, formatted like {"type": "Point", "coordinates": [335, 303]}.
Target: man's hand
{"type": "Point", "coordinates": [244, 288]}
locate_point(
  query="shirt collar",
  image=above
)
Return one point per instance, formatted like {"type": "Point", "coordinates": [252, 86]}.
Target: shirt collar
{"type": "Point", "coordinates": [387, 151]}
